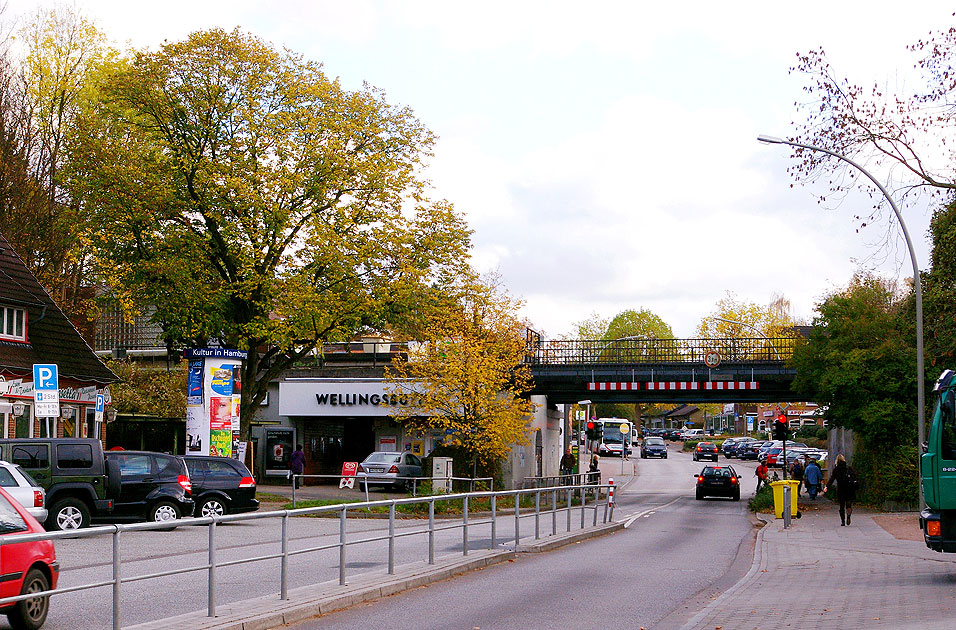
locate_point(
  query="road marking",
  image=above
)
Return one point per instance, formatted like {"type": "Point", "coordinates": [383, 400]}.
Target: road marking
{"type": "Point", "coordinates": [633, 517]}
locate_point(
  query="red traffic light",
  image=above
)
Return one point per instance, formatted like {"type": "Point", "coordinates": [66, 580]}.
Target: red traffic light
{"type": "Point", "coordinates": [782, 418]}
{"type": "Point", "coordinates": [590, 425]}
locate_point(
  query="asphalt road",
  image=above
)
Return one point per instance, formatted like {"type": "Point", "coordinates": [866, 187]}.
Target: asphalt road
{"type": "Point", "coordinates": [674, 548]}
{"type": "Point", "coordinates": [674, 555]}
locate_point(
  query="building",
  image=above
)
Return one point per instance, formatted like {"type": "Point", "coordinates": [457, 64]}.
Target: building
{"type": "Point", "coordinates": [33, 330]}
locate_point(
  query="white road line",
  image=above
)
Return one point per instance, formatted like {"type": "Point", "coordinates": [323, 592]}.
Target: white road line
{"type": "Point", "coordinates": [633, 517]}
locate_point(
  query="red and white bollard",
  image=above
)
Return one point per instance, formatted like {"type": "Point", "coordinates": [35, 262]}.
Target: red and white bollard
{"type": "Point", "coordinates": [610, 491]}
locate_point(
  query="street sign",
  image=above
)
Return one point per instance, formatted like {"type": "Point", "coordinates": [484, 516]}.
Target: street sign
{"type": "Point", "coordinates": [625, 428]}
{"type": "Point", "coordinates": [348, 474]}
{"type": "Point", "coordinates": [712, 359]}
{"type": "Point", "coordinates": [46, 390]}
{"type": "Point", "coordinates": [100, 407]}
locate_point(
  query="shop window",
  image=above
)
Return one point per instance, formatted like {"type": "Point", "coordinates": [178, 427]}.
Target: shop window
{"type": "Point", "coordinates": [13, 323]}
{"type": "Point", "coordinates": [22, 423]}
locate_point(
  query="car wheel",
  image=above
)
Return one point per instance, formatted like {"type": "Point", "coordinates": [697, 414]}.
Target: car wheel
{"type": "Point", "coordinates": [700, 495]}
{"type": "Point", "coordinates": [68, 514]}
{"type": "Point", "coordinates": [737, 495]}
{"type": "Point", "coordinates": [212, 507]}
{"type": "Point", "coordinates": [29, 614]}
{"type": "Point", "coordinates": [163, 512]}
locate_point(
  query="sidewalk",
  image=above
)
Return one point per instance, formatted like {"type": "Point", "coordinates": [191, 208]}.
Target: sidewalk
{"type": "Point", "coordinates": [817, 574]}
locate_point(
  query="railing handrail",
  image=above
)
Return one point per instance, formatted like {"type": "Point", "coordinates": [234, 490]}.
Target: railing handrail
{"type": "Point", "coordinates": [659, 351]}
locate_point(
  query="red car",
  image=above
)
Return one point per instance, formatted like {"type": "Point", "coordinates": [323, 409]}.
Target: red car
{"type": "Point", "coordinates": [25, 567]}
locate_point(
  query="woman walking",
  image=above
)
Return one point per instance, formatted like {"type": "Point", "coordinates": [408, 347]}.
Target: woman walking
{"type": "Point", "coordinates": [845, 482]}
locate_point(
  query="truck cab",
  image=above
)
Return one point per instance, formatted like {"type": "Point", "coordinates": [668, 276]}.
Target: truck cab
{"type": "Point", "coordinates": [938, 470]}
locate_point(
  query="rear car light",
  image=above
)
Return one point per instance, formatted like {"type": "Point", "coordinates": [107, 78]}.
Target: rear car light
{"type": "Point", "coordinates": [700, 479]}
{"type": "Point", "coordinates": [247, 482]}
{"type": "Point", "coordinates": [393, 469]}
{"type": "Point", "coordinates": [698, 449]}
{"type": "Point", "coordinates": [733, 480]}
{"type": "Point", "coordinates": [187, 485]}
{"type": "Point", "coordinates": [37, 498]}
{"type": "Point", "coordinates": [360, 468]}
{"type": "Point", "coordinates": [933, 528]}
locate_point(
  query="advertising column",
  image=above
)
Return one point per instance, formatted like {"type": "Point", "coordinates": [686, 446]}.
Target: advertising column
{"type": "Point", "coordinates": [212, 400]}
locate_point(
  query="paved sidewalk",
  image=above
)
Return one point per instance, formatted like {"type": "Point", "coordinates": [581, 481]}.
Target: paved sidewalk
{"type": "Point", "coordinates": [818, 574]}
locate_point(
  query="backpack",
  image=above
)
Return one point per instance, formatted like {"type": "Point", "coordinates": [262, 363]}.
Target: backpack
{"type": "Point", "coordinates": [852, 483]}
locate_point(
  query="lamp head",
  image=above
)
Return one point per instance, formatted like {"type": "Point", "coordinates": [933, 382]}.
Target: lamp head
{"type": "Point", "coordinates": [770, 139]}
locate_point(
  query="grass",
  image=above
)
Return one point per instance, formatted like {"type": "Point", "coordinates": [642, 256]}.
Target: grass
{"type": "Point", "coordinates": [762, 501]}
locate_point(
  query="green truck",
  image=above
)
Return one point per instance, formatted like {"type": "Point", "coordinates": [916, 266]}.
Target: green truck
{"type": "Point", "coordinates": [938, 470]}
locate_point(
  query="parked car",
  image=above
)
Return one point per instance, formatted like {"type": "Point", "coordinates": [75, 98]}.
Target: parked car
{"type": "Point", "coordinates": [653, 447]}
{"type": "Point", "coordinates": [750, 450]}
{"type": "Point", "coordinates": [705, 450]}
{"type": "Point", "coordinates": [79, 482]}
{"type": "Point", "coordinates": [221, 485]}
{"type": "Point", "coordinates": [154, 486]}
{"type": "Point", "coordinates": [384, 468]}
{"type": "Point", "coordinates": [24, 489]}
{"type": "Point", "coordinates": [735, 448]}
{"type": "Point", "coordinates": [691, 434]}
{"type": "Point", "coordinates": [28, 567]}
{"type": "Point", "coordinates": [729, 444]}
{"type": "Point", "coordinates": [718, 481]}
{"type": "Point", "coordinates": [671, 434]}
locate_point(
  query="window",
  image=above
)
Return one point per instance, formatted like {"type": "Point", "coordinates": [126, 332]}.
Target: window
{"type": "Point", "coordinates": [6, 479]}
{"type": "Point", "coordinates": [10, 519]}
{"type": "Point", "coordinates": [13, 323]}
{"type": "Point", "coordinates": [74, 456]}
{"type": "Point", "coordinates": [131, 464]}
{"type": "Point", "coordinates": [31, 455]}
{"type": "Point", "coordinates": [220, 469]}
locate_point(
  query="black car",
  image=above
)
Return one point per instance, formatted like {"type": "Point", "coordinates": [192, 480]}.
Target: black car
{"type": "Point", "coordinates": [705, 450]}
{"type": "Point", "coordinates": [671, 434]}
{"type": "Point", "coordinates": [718, 481]}
{"type": "Point", "coordinates": [735, 448]}
{"type": "Point", "coordinates": [221, 485]}
{"type": "Point", "coordinates": [653, 447]}
{"type": "Point", "coordinates": [153, 486]}
{"type": "Point", "coordinates": [750, 450]}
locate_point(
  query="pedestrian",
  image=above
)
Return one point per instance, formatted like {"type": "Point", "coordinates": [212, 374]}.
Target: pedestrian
{"type": "Point", "coordinates": [761, 474]}
{"type": "Point", "coordinates": [567, 463]}
{"type": "Point", "coordinates": [297, 464]}
{"type": "Point", "coordinates": [845, 481]}
{"type": "Point", "coordinates": [796, 473]}
{"type": "Point", "coordinates": [812, 477]}
{"type": "Point", "coordinates": [594, 472]}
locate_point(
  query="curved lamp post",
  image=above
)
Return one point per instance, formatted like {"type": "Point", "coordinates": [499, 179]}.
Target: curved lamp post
{"type": "Point", "coordinates": [920, 387]}
{"type": "Point", "coordinates": [751, 327]}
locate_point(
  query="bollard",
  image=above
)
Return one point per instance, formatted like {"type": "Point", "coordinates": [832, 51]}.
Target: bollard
{"type": "Point", "coordinates": [786, 506]}
{"type": "Point", "coordinates": [610, 497]}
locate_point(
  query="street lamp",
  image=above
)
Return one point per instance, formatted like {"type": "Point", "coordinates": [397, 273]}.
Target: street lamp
{"type": "Point", "coordinates": [753, 328]}
{"type": "Point", "coordinates": [920, 389]}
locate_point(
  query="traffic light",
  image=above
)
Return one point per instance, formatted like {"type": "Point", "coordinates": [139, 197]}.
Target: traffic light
{"type": "Point", "coordinates": [592, 431]}
{"type": "Point", "coordinates": [780, 429]}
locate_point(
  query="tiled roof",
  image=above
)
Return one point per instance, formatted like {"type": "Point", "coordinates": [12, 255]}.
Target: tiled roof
{"type": "Point", "coordinates": [51, 337]}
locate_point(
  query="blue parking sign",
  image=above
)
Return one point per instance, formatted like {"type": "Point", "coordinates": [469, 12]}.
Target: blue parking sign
{"type": "Point", "coordinates": [46, 390]}
{"type": "Point", "coordinates": [45, 376]}
{"type": "Point", "coordinates": [100, 403]}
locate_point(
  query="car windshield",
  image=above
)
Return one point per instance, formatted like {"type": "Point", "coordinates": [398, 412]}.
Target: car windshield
{"type": "Point", "coordinates": [383, 458]}
{"type": "Point", "coordinates": [654, 441]}
{"type": "Point", "coordinates": [716, 472]}
{"type": "Point", "coordinates": [10, 519]}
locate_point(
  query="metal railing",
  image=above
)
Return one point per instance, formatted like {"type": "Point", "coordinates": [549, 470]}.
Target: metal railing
{"type": "Point", "coordinates": [658, 351]}
{"type": "Point", "coordinates": [374, 480]}
{"type": "Point", "coordinates": [562, 499]}
{"type": "Point", "coordinates": [575, 479]}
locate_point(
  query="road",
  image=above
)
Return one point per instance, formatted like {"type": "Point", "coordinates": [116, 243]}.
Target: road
{"type": "Point", "coordinates": [667, 564]}
{"type": "Point", "coordinates": [673, 548]}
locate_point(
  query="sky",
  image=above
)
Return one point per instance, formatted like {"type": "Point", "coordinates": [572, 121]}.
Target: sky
{"type": "Point", "coordinates": [605, 155]}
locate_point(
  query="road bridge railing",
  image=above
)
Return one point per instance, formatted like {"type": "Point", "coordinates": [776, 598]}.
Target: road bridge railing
{"type": "Point", "coordinates": [413, 482]}
{"type": "Point", "coordinates": [547, 502]}
{"type": "Point", "coordinates": [659, 351]}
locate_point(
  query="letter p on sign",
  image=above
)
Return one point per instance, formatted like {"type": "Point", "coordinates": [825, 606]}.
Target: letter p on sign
{"type": "Point", "coordinates": [44, 376]}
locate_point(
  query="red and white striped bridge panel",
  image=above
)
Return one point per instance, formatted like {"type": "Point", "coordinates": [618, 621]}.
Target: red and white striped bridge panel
{"type": "Point", "coordinates": [613, 387]}
{"type": "Point", "coordinates": [674, 385]}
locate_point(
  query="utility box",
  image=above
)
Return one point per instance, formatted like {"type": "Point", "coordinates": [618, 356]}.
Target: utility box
{"type": "Point", "coordinates": [441, 474]}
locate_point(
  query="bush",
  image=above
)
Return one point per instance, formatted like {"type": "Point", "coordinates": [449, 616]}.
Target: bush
{"type": "Point", "coordinates": [886, 474]}
{"type": "Point", "coordinates": [762, 501]}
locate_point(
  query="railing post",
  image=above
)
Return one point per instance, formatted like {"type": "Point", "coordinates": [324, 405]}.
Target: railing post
{"type": "Point", "coordinates": [569, 509]}
{"type": "Point", "coordinates": [391, 539]}
{"type": "Point", "coordinates": [431, 531]}
{"type": "Point", "coordinates": [212, 569]}
{"type": "Point", "coordinates": [517, 519]}
{"type": "Point", "coordinates": [342, 547]}
{"type": "Point", "coordinates": [293, 491]}
{"type": "Point", "coordinates": [554, 512]}
{"type": "Point", "coordinates": [537, 514]}
{"type": "Point", "coordinates": [284, 563]}
{"type": "Point", "coordinates": [116, 577]}
{"type": "Point", "coordinates": [494, 521]}
{"type": "Point", "coordinates": [584, 501]}
{"type": "Point", "coordinates": [464, 526]}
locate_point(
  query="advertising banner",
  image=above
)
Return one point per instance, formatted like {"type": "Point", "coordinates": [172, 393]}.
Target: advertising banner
{"type": "Point", "coordinates": [278, 451]}
{"type": "Point", "coordinates": [197, 431]}
{"type": "Point", "coordinates": [213, 394]}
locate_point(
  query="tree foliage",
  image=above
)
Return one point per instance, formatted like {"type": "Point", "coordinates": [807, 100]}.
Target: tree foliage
{"type": "Point", "coordinates": [939, 293]}
{"type": "Point", "coordinates": [150, 391]}
{"type": "Point", "coordinates": [733, 318]}
{"type": "Point", "coordinates": [256, 203]}
{"type": "Point", "coordinates": [466, 378]}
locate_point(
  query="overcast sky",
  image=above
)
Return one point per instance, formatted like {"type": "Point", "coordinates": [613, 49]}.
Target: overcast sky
{"type": "Point", "coordinates": [605, 153]}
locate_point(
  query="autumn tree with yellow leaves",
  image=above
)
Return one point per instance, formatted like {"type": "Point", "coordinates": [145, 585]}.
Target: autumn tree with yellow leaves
{"type": "Point", "coordinates": [466, 378]}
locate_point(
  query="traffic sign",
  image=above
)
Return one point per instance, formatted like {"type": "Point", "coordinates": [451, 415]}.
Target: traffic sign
{"type": "Point", "coordinates": [348, 474]}
{"type": "Point", "coordinates": [46, 390]}
{"type": "Point", "coordinates": [712, 359]}
{"type": "Point", "coordinates": [100, 407]}
{"type": "Point", "coordinates": [625, 428]}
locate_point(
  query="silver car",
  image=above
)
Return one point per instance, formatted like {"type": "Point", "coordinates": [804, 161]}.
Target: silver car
{"type": "Point", "coordinates": [384, 468]}
{"type": "Point", "coordinates": [20, 485]}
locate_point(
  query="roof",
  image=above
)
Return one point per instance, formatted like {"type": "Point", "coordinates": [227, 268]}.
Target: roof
{"type": "Point", "coordinates": [682, 410]}
{"type": "Point", "coordinates": [51, 336]}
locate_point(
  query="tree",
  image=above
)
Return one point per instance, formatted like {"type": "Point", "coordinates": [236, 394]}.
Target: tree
{"type": "Point", "coordinates": [939, 292]}
{"type": "Point", "coordinates": [255, 203]}
{"type": "Point", "coordinates": [858, 361]}
{"type": "Point", "coordinates": [149, 391]}
{"type": "Point", "coordinates": [466, 378]}
{"type": "Point", "coordinates": [737, 321]}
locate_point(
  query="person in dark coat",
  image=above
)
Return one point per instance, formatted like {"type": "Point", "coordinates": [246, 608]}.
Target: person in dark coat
{"type": "Point", "coordinates": [812, 477]}
{"type": "Point", "coordinates": [842, 476]}
{"type": "Point", "coordinates": [796, 473]}
{"type": "Point", "coordinates": [297, 464]}
{"type": "Point", "coordinates": [567, 463]}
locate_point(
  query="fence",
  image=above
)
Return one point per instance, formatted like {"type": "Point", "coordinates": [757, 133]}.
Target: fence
{"type": "Point", "coordinates": [577, 479]}
{"type": "Point", "coordinates": [658, 351]}
{"type": "Point", "coordinates": [372, 480]}
{"type": "Point", "coordinates": [568, 506]}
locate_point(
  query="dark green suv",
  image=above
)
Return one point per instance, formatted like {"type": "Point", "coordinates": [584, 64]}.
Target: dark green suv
{"type": "Point", "coordinates": [78, 480]}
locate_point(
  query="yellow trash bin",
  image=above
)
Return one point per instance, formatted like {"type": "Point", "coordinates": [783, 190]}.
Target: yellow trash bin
{"type": "Point", "coordinates": [778, 487]}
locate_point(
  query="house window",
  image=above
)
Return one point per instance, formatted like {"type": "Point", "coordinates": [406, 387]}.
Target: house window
{"type": "Point", "coordinates": [13, 323]}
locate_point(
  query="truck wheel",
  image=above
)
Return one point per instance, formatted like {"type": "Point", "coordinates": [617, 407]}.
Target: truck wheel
{"type": "Point", "coordinates": [29, 614]}
{"type": "Point", "coordinates": [69, 513]}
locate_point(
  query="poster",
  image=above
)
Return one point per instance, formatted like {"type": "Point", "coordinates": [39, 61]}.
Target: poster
{"type": "Point", "coordinates": [197, 430]}
{"type": "Point", "coordinates": [278, 450]}
{"type": "Point", "coordinates": [220, 426]}
{"type": "Point", "coordinates": [212, 409]}
{"type": "Point", "coordinates": [387, 444]}
{"type": "Point", "coordinates": [194, 383]}
{"type": "Point", "coordinates": [220, 378]}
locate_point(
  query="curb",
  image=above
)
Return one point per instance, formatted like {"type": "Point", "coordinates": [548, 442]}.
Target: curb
{"type": "Point", "coordinates": [306, 602]}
